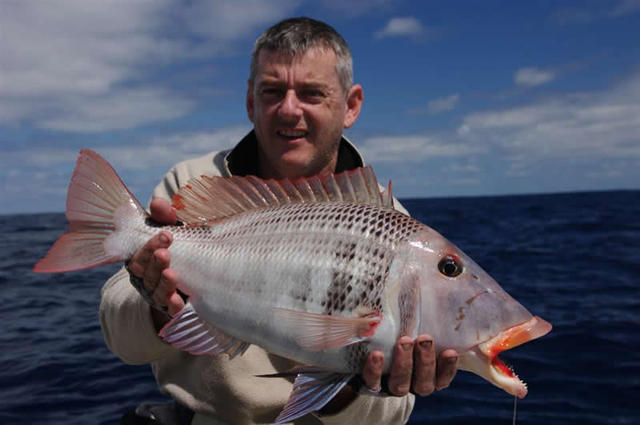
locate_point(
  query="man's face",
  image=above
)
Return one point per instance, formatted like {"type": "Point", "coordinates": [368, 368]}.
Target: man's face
{"type": "Point", "coordinates": [299, 110]}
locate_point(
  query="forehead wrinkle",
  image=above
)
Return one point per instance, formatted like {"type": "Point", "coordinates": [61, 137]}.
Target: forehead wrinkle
{"type": "Point", "coordinates": [282, 67]}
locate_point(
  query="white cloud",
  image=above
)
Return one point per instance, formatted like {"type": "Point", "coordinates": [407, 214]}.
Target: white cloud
{"type": "Point", "coordinates": [224, 20]}
{"type": "Point", "coordinates": [572, 129]}
{"type": "Point", "coordinates": [624, 8]}
{"type": "Point", "coordinates": [355, 7]}
{"type": "Point", "coordinates": [614, 168]}
{"type": "Point", "coordinates": [443, 104]}
{"type": "Point", "coordinates": [40, 176]}
{"type": "Point", "coordinates": [465, 167]}
{"type": "Point", "coordinates": [592, 124]}
{"type": "Point", "coordinates": [402, 27]}
{"type": "Point", "coordinates": [180, 146]}
{"type": "Point", "coordinates": [596, 10]}
{"type": "Point", "coordinates": [533, 76]}
{"type": "Point", "coordinates": [158, 151]}
{"type": "Point", "coordinates": [68, 61]}
{"type": "Point", "coordinates": [53, 48]}
{"type": "Point", "coordinates": [116, 110]}
{"type": "Point", "coordinates": [413, 147]}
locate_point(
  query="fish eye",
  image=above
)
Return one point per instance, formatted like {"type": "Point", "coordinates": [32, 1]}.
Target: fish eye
{"type": "Point", "coordinates": [450, 266]}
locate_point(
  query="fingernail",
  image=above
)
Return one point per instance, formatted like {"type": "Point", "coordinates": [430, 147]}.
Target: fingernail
{"type": "Point", "coordinates": [377, 361]}
{"type": "Point", "coordinates": [452, 360]}
{"type": "Point", "coordinates": [407, 346]}
{"type": "Point", "coordinates": [164, 238]}
{"type": "Point", "coordinates": [426, 344]}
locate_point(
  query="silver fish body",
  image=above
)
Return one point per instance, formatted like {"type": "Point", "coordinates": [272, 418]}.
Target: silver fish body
{"type": "Point", "coordinates": [324, 258]}
{"type": "Point", "coordinates": [341, 259]}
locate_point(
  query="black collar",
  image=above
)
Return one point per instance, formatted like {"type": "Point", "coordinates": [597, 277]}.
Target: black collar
{"type": "Point", "coordinates": [243, 159]}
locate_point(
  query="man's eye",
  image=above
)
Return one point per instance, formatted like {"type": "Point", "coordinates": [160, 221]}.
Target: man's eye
{"type": "Point", "coordinates": [313, 95]}
{"type": "Point", "coordinates": [271, 92]}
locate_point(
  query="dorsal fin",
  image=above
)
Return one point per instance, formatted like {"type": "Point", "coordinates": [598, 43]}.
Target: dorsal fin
{"type": "Point", "coordinates": [387, 196]}
{"type": "Point", "coordinates": [206, 199]}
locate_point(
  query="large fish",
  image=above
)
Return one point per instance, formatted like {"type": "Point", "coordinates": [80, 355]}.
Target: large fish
{"type": "Point", "coordinates": [320, 270]}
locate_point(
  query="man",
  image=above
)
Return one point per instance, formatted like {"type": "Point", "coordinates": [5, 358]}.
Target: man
{"type": "Point", "coordinates": [300, 97]}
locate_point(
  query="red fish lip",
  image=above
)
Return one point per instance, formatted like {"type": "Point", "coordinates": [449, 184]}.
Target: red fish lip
{"type": "Point", "coordinates": [515, 336]}
{"type": "Point", "coordinates": [483, 359]}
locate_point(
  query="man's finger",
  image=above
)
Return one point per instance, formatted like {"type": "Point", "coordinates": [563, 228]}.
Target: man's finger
{"type": "Point", "coordinates": [424, 366]}
{"type": "Point", "coordinates": [447, 365]}
{"type": "Point", "coordinates": [162, 212]}
{"type": "Point", "coordinates": [141, 259]}
{"type": "Point", "coordinates": [176, 304]}
{"type": "Point", "coordinates": [167, 289]}
{"type": "Point", "coordinates": [159, 262]}
{"type": "Point", "coordinates": [372, 372]}
{"type": "Point", "coordinates": [167, 285]}
{"type": "Point", "coordinates": [401, 367]}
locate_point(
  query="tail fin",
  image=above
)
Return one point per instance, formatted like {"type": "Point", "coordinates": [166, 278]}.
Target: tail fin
{"type": "Point", "coordinates": [96, 201]}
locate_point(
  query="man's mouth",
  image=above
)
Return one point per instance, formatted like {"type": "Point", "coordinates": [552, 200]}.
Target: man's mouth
{"type": "Point", "coordinates": [292, 133]}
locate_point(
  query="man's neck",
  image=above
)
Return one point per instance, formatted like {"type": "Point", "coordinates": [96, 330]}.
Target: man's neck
{"type": "Point", "coordinates": [243, 159]}
{"type": "Point", "coordinates": [269, 171]}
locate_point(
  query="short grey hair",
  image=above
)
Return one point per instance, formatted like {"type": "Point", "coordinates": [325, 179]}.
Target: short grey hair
{"type": "Point", "coordinates": [296, 36]}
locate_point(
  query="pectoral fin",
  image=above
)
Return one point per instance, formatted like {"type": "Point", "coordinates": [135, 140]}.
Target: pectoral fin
{"type": "Point", "coordinates": [188, 332]}
{"type": "Point", "coordinates": [317, 332]}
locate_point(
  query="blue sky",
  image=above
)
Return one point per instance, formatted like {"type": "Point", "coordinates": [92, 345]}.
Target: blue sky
{"type": "Point", "coordinates": [461, 97]}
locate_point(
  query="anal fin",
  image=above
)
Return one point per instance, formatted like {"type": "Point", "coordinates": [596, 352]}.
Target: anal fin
{"type": "Point", "coordinates": [311, 392]}
{"type": "Point", "coordinates": [188, 332]}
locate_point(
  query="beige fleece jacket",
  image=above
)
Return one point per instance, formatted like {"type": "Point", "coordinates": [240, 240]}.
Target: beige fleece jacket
{"type": "Point", "coordinates": [219, 390]}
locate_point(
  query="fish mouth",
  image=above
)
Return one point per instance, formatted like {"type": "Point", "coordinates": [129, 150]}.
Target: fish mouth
{"type": "Point", "coordinates": [483, 359]}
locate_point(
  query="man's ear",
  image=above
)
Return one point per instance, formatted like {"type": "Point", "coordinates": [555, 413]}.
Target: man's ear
{"type": "Point", "coordinates": [249, 102]}
{"type": "Point", "coordinates": [354, 103]}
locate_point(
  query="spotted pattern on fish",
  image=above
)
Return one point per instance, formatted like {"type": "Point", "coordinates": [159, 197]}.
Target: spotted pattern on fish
{"type": "Point", "coordinates": [364, 264]}
{"type": "Point", "coordinates": [358, 265]}
{"type": "Point", "coordinates": [356, 356]}
{"type": "Point", "coordinates": [407, 303]}
{"type": "Point", "coordinates": [343, 275]}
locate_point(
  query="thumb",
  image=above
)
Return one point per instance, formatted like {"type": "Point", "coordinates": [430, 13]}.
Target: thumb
{"type": "Point", "coordinates": [162, 211]}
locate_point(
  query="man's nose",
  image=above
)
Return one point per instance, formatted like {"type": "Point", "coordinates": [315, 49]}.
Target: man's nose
{"type": "Point", "coordinates": [290, 107]}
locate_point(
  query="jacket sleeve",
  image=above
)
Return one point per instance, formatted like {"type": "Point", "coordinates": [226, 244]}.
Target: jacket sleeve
{"type": "Point", "coordinates": [125, 317]}
{"type": "Point", "coordinates": [373, 410]}
{"type": "Point", "coordinates": [126, 322]}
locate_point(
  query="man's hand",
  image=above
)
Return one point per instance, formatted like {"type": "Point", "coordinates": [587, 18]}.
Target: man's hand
{"type": "Point", "coordinates": [414, 368]}
{"type": "Point", "coordinates": [151, 264]}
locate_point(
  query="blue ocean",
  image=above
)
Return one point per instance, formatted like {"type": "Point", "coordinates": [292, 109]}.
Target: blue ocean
{"type": "Point", "coordinates": [573, 259]}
